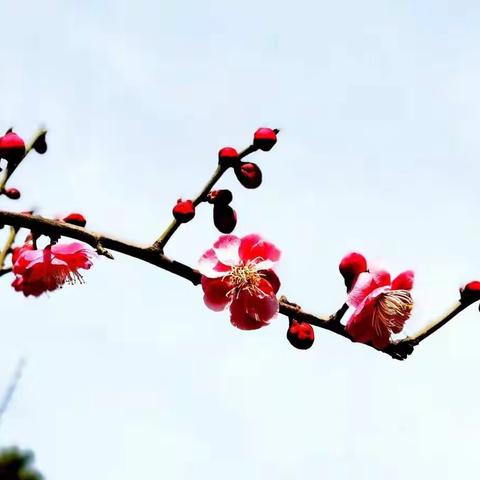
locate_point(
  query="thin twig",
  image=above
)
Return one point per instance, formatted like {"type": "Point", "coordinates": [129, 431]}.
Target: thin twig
{"type": "Point", "coordinates": [7, 247]}
{"type": "Point", "coordinates": [12, 387]}
{"type": "Point", "coordinates": [11, 167]}
{"type": "Point", "coordinates": [160, 243]}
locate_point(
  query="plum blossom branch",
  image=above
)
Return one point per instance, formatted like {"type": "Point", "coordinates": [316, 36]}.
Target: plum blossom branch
{"type": "Point", "coordinates": [398, 350]}
{"type": "Point", "coordinates": [160, 243]}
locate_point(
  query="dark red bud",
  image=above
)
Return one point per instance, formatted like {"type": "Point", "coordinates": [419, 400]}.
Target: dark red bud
{"type": "Point", "coordinates": [76, 219]}
{"type": "Point", "coordinates": [470, 293]}
{"type": "Point", "coordinates": [300, 335]}
{"type": "Point", "coordinates": [40, 144]}
{"type": "Point", "coordinates": [12, 147]}
{"type": "Point", "coordinates": [351, 266]}
{"type": "Point", "coordinates": [224, 218]}
{"type": "Point", "coordinates": [228, 157]}
{"type": "Point", "coordinates": [249, 174]}
{"type": "Point", "coordinates": [265, 139]}
{"type": "Point", "coordinates": [184, 210]}
{"type": "Point", "coordinates": [220, 197]}
{"type": "Point", "coordinates": [12, 193]}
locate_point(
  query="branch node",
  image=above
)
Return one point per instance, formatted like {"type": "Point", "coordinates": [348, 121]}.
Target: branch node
{"type": "Point", "coordinates": [101, 250]}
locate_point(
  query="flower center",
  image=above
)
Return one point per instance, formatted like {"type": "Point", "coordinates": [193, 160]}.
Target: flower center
{"type": "Point", "coordinates": [245, 277]}
{"type": "Point", "coordinates": [392, 310]}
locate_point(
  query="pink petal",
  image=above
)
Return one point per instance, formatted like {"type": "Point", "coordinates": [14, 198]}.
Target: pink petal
{"type": "Point", "coordinates": [381, 278]}
{"type": "Point", "coordinates": [253, 247]}
{"type": "Point", "coordinates": [364, 285]}
{"type": "Point", "coordinates": [209, 265]}
{"type": "Point", "coordinates": [68, 248]}
{"type": "Point", "coordinates": [360, 326]}
{"type": "Point", "coordinates": [251, 311]}
{"type": "Point", "coordinates": [215, 292]}
{"type": "Point", "coordinates": [271, 277]}
{"type": "Point", "coordinates": [226, 248]}
{"type": "Point", "coordinates": [404, 281]}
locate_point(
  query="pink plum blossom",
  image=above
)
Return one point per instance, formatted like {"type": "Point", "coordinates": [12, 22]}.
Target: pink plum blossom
{"type": "Point", "coordinates": [237, 272]}
{"type": "Point", "coordinates": [381, 306]}
{"type": "Point", "coordinates": [45, 270]}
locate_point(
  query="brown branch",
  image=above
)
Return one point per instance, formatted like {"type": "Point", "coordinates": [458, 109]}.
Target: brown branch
{"type": "Point", "coordinates": [160, 243]}
{"type": "Point", "coordinates": [398, 350]}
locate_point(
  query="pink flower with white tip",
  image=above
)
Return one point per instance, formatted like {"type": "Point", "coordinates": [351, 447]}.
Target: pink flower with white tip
{"type": "Point", "coordinates": [382, 306]}
{"type": "Point", "coordinates": [45, 270]}
{"type": "Point", "coordinates": [237, 272]}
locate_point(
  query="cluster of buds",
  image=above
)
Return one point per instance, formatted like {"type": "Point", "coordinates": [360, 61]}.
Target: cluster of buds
{"type": "Point", "coordinates": [248, 174]}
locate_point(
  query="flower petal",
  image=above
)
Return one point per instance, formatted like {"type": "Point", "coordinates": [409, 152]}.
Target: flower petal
{"type": "Point", "coordinates": [253, 247]}
{"type": "Point", "coordinates": [209, 265]}
{"type": "Point", "coordinates": [404, 281]}
{"type": "Point", "coordinates": [271, 277]}
{"type": "Point", "coordinates": [364, 285]}
{"type": "Point", "coordinates": [360, 325]}
{"type": "Point", "coordinates": [226, 249]}
{"type": "Point", "coordinates": [215, 292]}
{"type": "Point", "coordinates": [251, 311]}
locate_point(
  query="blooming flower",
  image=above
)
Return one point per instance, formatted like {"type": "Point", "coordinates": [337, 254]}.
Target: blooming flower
{"type": "Point", "coordinates": [238, 273]}
{"type": "Point", "coordinates": [381, 306]}
{"type": "Point", "coordinates": [39, 271]}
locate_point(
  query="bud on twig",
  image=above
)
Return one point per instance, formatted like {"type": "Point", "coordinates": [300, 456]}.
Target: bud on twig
{"type": "Point", "coordinates": [220, 197]}
{"type": "Point", "coordinates": [300, 334]}
{"type": "Point", "coordinates": [12, 147]}
{"type": "Point", "coordinates": [248, 174]}
{"type": "Point", "coordinates": [228, 157]}
{"type": "Point", "coordinates": [184, 210]}
{"type": "Point", "coordinates": [12, 193]}
{"type": "Point", "coordinates": [224, 218]}
{"type": "Point", "coordinates": [265, 139]}
{"type": "Point", "coordinates": [40, 143]}
{"type": "Point", "coordinates": [76, 219]}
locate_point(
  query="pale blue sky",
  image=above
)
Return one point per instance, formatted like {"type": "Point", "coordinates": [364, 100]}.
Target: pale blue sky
{"type": "Point", "coordinates": [130, 376]}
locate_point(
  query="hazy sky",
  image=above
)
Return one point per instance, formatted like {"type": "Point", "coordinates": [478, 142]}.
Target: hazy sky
{"type": "Point", "coordinates": [130, 376]}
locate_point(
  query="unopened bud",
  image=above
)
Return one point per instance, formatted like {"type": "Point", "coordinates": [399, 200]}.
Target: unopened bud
{"type": "Point", "coordinates": [265, 139]}
{"type": "Point", "coordinates": [300, 335]}
{"type": "Point", "coordinates": [248, 174]}
{"type": "Point", "coordinates": [351, 266]}
{"type": "Point", "coordinates": [224, 218]}
{"type": "Point", "coordinates": [220, 197]}
{"type": "Point", "coordinates": [12, 193]}
{"type": "Point", "coordinates": [183, 211]}
{"type": "Point", "coordinates": [12, 147]}
{"type": "Point", "coordinates": [40, 143]}
{"type": "Point", "coordinates": [470, 293]}
{"type": "Point", "coordinates": [228, 157]}
{"type": "Point", "coordinates": [76, 219]}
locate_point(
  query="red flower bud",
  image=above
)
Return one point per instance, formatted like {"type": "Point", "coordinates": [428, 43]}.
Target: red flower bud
{"type": "Point", "coordinates": [248, 174]}
{"type": "Point", "coordinates": [265, 139]}
{"type": "Point", "coordinates": [300, 335]}
{"type": "Point", "coordinates": [12, 147]}
{"type": "Point", "coordinates": [76, 219]}
{"type": "Point", "coordinates": [40, 144]}
{"type": "Point", "coordinates": [470, 293]}
{"type": "Point", "coordinates": [224, 218]}
{"type": "Point", "coordinates": [12, 193]}
{"type": "Point", "coordinates": [228, 157]}
{"type": "Point", "coordinates": [220, 197]}
{"type": "Point", "coordinates": [184, 210]}
{"type": "Point", "coordinates": [351, 266]}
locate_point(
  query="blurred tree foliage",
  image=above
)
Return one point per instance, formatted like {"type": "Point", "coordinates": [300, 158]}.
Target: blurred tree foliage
{"type": "Point", "coordinates": [16, 464]}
